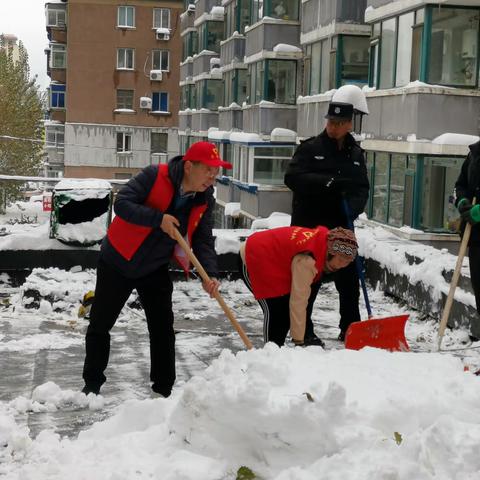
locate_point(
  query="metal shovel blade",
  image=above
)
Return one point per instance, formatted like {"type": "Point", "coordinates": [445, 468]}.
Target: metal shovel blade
{"type": "Point", "coordinates": [387, 333]}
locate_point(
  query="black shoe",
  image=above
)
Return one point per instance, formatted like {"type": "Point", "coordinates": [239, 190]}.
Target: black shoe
{"type": "Point", "coordinates": [90, 389]}
{"type": "Point", "coordinates": [313, 340]}
{"type": "Point", "coordinates": [341, 336]}
{"type": "Point", "coordinates": [162, 391]}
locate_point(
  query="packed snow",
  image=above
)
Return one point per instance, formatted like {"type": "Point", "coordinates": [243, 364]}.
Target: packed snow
{"type": "Point", "coordinates": [285, 413]}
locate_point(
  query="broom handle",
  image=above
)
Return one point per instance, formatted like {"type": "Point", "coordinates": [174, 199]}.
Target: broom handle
{"type": "Point", "coordinates": [217, 295]}
{"type": "Point", "coordinates": [358, 262]}
{"type": "Point", "coordinates": [454, 282]}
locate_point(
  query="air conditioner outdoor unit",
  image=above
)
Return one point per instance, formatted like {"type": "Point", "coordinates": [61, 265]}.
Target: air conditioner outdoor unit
{"type": "Point", "coordinates": [162, 34]}
{"type": "Point", "coordinates": [156, 75]}
{"type": "Point", "coordinates": [146, 102]}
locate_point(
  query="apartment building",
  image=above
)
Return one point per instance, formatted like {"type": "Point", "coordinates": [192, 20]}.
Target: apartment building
{"type": "Point", "coordinates": [114, 96]}
{"type": "Point", "coordinates": [280, 63]}
{"type": "Point", "coordinates": [8, 43]}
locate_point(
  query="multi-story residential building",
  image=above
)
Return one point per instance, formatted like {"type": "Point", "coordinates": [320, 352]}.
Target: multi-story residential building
{"type": "Point", "coordinates": [114, 96]}
{"type": "Point", "coordinates": [281, 61]}
{"type": "Point", "coordinates": [8, 43]}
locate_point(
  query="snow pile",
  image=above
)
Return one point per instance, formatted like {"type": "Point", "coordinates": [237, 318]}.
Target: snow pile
{"type": "Point", "coordinates": [287, 413]}
{"type": "Point", "coordinates": [276, 219]}
{"type": "Point", "coordinates": [84, 232]}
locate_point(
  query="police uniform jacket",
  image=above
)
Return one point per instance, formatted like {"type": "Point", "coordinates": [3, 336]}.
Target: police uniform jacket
{"type": "Point", "coordinates": [320, 176]}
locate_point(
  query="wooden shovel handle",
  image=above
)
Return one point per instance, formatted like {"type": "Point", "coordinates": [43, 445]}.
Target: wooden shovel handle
{"type": "Point", "coordinates": [454, 282]}
{"type": "Point", "coordinates": [217, 295]}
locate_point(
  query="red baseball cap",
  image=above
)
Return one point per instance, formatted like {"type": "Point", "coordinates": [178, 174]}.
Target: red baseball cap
{"type": "Point", "coordinates": [207, 153]}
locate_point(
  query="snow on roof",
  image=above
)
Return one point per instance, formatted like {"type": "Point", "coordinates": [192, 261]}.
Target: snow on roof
{"type": "Point", "coordinates": [163, 30]}
{"type": "Point", "coordinates": [276, 219]}
{"type": "Point", "coordinates": [285, 47]}
{"type": "Point", "coordinates": [455, 139]}
{"type": "Point", "coordinates": [232, 209]}
{"type": "Point", "coordinates": [283, 135]}
{"type": "Point", "coordinates": [243, 137]}
{"type": "Point", "coordinates": [217, 11]}
{"type": "Point", "coordinates": [82, 184]}
{"type": "Point", "coordinates": [218, 134]}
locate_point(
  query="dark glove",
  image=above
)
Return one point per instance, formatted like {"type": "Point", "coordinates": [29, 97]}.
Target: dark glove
{"type": "Point", "coordinates": [472, 214]}
{"type": "Point", "coordinates": [464, 205]}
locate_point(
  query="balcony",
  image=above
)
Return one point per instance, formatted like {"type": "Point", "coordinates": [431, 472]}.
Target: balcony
{"type": "Point", "coordinates": [264, 117]}
{"type": "Point", "coordinates": [186, 70]}
{"type": "Point", "coordinates": [263, 200]}
{"type": "Point", "coordinates": [230, 119]}
{"type": "Point", "coordinates": [269, 33]}
{"type": "Point", "coordinates": [186, 20]}
{"type": "Point", "coordinates": [232, 50]}
{"type": "Point", "coordinates": [201, 62]}
{"type": "Point", "coordinates": [185, 120]}
{"type": "Point", "coordinates": [205, 6]}
{"type": "Point", "coordinates": [204, 119]}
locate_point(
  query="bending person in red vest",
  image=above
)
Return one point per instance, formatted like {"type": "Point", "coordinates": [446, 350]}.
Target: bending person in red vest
{"type": "Point", "coordinates": [280, 265]}
{"type": "Point", "coordinates": [137, 250]}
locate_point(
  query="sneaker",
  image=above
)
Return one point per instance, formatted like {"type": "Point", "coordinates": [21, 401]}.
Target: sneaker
{"type": "Point", "coordinates": [89, 389]}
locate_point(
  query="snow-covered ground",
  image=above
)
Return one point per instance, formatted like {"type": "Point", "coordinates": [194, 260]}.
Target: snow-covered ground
{"type": "Point", "coordinates": [287, 414]}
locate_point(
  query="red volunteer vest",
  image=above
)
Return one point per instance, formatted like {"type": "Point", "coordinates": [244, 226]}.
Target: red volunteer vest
{"type": "Point", "coordinates": [268, 256]}
{"type": "Point", "coordinates": [127, 237]}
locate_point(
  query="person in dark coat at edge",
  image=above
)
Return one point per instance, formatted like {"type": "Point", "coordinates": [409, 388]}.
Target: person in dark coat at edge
{"type": "Point", "coordinates": [323, 171]}
{"type": "Point", "coordinates": [136, 252]}
{"type": "Point", "coordinates": [467, 187]}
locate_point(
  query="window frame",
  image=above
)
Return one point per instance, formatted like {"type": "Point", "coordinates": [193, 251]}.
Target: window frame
{"type": "Point", "coordinates": [126, 7]}
{"type": "Point", "coordinates": [56, 11]}
{"type": "Point", "coordinates": [60, 96]}
{"type": "Point", "coordinates": [124, 106]}
{"type": "Point", "coordinates": [161, 51]}
{"type": "Point", "coordinates": [161, 9]}
{"type": "Point", "coordinates": [125, 50]}
{"type": "Point", "coordinates": [160, 95]}
{"type": "Point", "coordinates": [126, 141]}
{"type": "Point", "coordinates": [63, 53]}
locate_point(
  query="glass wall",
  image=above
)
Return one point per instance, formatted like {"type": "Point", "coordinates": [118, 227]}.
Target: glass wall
{"type": "Point", "coordinates": [283, 9]}
{"type": "Point", "coordinates": [189, 45]}
{"type": "Point", "coordinates": [270, 164]}
{"type": "Point", "coordinates": [404, 49]}
{"type": "Point", "coordinates": [235, 86]}
{"type": "Point", "coordinates": [380, 187]}
{"type": "Point", "coordinates": [209, 94]}
{"type": "Point", "coordinates": [237, 16]}
{"type": "Point", "coordinates": [396, 190]}
{"type": "Point", "coordinates": [439, 177]}
{"type": "Point", "coordinates": [281, 81]}
{"type": "Point", "coordinates": [210, 35]}
{"type": "Point", "coordinates": [454, 47]}
{"type": "Point", "coordinates": [186, 97]}
{"type": "Point", "coordinates": [387, 53]}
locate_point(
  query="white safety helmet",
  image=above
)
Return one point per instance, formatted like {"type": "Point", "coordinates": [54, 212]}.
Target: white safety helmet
{"type": "Point", "coordinates": [354, 95]}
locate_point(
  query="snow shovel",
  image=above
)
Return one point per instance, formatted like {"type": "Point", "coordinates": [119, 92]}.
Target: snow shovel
{"type": "Point", "coordinates": [387, 333]}
{"type": "Point", "coordinates": [218, 297]}
{"type": "Point", "coordinates": [453, 285]}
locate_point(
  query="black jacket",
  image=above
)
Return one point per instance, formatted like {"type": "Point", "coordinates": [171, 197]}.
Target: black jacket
{"type": "Point", "coordinates": [157, 248]}
{"type": "Point", "coordinates": [320, 175]}
{"type": "Point", "coordinates": [468, 185]}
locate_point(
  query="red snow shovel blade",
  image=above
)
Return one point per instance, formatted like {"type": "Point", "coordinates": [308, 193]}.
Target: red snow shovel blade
{"type": "Point", "coordinates": [387, 333]}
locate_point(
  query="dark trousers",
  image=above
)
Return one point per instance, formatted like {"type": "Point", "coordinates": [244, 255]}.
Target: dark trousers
{"type": "Point", "coordinates": [474, 260]}
{"type": "Point", "coordinates": [111, 292]}
{"type": "Point", "coordinates": [348, 287]}
{"type": "Point", "coordinates": [276, 312]}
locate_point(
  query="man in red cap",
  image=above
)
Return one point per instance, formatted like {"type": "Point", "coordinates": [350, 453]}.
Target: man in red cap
{"type": "Point", "coordinates": [136, 252]}
{"type": "Point", "coordinates": [280, 266]}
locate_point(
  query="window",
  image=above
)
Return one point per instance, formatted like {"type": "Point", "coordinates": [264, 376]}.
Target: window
{"type": "Point", "coordinates": [159, 102]}
{"type": "Point", "coordinates": [189, 45]}
{"type": "Point", "coordinates": [404, 48]}
{"type": "Point", "coordinates": [270, 164]}
{"type": "Point", "coordinates": [55, 139]}
{"type": "Point", "coordinates": [235, 86]}
{"type": "Point", "coordinates": [158, 142]}
{"type": "Point", "coordinates": [161, 18]}
{"type": "Point", "coordinates": [126, 17]}
{"type": "Point", "coordinates": [124, 142]}
{"type": "Point", "coordinates": [161, 60]}
{"type": "Point", "coordinates": [439, 176]}
{"type": "Point", "coordinates": [354, 60]}
{"type": "Point", "coordinates": [56, 17]}
{"type": "Point", "coordinates": [125, 99]}
{"type": "Point", "coordinates": [284, 9]}
{"type": "Point", "coordinates": [380, 187]}
{"type": "Point", "coordinates": [387, 53]}
{"type": "Point", "coordinates": [396, 196]}
{"type": "Point", "coordinates": [210, 35]}
{"type": "Point", "coordinates": [58, 55]}
{"type": "Point", "coordinates": [57, 96]}
{"type": "Point", "coordinates": [237, 16]}
{"type": "Point", "coordinates": [453, 47]}
{"type": "Point", "coordinates": [256, 10]}
{"type": "Point", "coordinates": [281, 81]}
{"type": "Point", "coordinates": [209, 94]}
{"type": "Point", "coordinates": [186, 96]}
{"type": "Point", "coordinates": [125, 58]}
